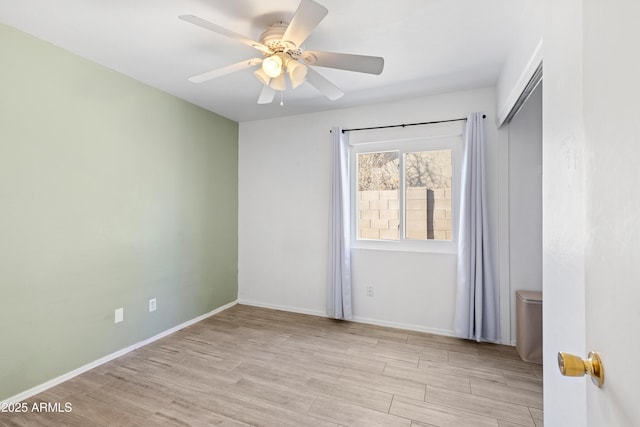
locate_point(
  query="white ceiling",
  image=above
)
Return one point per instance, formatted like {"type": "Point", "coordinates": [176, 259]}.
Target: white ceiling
{"type": "Point", "coordinates": [429, 46]}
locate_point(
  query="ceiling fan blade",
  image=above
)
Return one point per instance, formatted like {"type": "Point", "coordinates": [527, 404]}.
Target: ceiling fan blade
{"type": "Point", "coordinates": [345, 61]}
{"type": "Point", "coordinates": [307, 17]}
{"type": "Point", "coordinates": [221, 30]}
{"type": "Point", "coordinates": [267, 95]}
{"type": "Point", "coordinates": [225, 70]}
{"type": "Point", "coordinates": [323, 85]}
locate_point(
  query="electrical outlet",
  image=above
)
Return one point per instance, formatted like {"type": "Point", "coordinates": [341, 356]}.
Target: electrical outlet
{"type": "Point", "coordinates": [152, 304]}
{"type": "Point", "coordinates": [370, 290]}
{"type": "Point", "coordinates": [119, 315]}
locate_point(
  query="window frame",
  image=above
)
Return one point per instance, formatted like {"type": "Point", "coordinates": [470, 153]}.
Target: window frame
{"type": "Point", "coordinates": [453, 142]}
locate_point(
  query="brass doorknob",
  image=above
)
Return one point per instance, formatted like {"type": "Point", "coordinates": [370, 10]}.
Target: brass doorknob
{"type": "Point", "coordinates": [573, 366]}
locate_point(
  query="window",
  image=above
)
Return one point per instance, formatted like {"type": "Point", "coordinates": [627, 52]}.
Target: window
{"type": "Point", "coordinates": [403, 194]}
{"type": "Point", "coordinates": [378, 195]}
{"type": "Point", "coordinates": [427, 183]}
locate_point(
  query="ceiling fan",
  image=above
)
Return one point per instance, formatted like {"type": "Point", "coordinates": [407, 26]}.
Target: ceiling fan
{"type": "Point", "coordinates": [284, 55]}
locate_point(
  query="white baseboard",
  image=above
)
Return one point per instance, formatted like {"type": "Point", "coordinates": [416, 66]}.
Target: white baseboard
{"type": "Point", "coordinates": [282, 308]}
{"type": "Point", "coordinates": [417, 328]}
{"type": "Point", "coordinates": [405, 326]}
{"type": "Point", "coordinates": [64, 377]}
{"type": "Point", "coordinates": [356, 319]}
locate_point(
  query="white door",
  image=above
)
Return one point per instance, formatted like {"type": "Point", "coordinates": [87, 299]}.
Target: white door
{"type": "Point", "coordinates": [591, 208]}
{"type": "Point", "coordinates": [612, 129]}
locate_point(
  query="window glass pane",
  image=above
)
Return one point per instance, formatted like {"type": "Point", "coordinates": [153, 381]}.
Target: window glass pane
{"type": "Point", "coordinates": [378, 204]}
{"type": "Point", "coordinates": [428, 214]}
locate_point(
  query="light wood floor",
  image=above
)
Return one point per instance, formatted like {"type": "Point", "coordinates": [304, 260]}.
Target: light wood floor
{"type": "Point", "coordinates": [253, 366]}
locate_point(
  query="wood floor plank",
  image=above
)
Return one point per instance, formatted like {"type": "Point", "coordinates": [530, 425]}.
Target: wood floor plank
{"type": "Point", "coordinates": [300, 401]}
{"type": "Point", "coordinates": [505, 393]}
{"type": "Point", "coordinates": [350, 361]}
{"type": "Point", "coordinates": [348, 414]}
{"type": "Point", "coordinates": [423, 376]}
{"type": "Point", "coordinates": [396, 386]}
{"type": "Point", "coordinates": [313, 344]}
{"type": "Point", "coordinates": [378, 332]}
{"type": "Point", "coordinates": [385, 354]}
{"type": "Point", "coordinates": [424, 353]}
{"type": "Point", "coordinates": [472, 371]}
{"type": "Point", "coordinates": [419, 424]}
{"type": "Point", "coordinates": [524, 382]}
{"type": "Point", "coordinates": [481, 405]}
{"type": "Point", "coordinates": [352, 393]}
{"type": "Point", "coordinates": [254, 412]}
{"type": "Point", "coordinates": [261, 367]}
{"type": "Point", "coordinates": [537, 369]}
{"type": "Point", "coordinates": [180, 414]}
{"type": "Point", "coordinates": [105, 413]}
{"type": "Point", "coordinates": [444, 343]}
{"type": "Point", "coordinates": [503, 423]}
{"type": "Point", "coordinates": [538, 416]}
{"type": "Point", "coordinates": [514, 366]}
{"type": "Point", "coordinates": [438, 415]}
{"type": "Point", "coordinates": [288, 373]}
{"type": "Point", "coordinates": [122, 393]}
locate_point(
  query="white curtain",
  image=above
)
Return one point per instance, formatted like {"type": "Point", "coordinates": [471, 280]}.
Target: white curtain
{"type": "Point", "coordinates": [339, 284]}
{"type": "Point", "coordinates": [477, 300]}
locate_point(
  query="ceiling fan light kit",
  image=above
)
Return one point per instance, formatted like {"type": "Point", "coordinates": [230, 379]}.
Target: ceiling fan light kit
{"type": "Point", "coordinates": [262, 76]}
{"type": "Point", "coordinates": [297, 73]}
{"type": "Point", "coordinates": [278, 83]}
{"type": "Point", "coordinates": [281, 44]}
{"type": "Point", "coordinates": [272, 66]}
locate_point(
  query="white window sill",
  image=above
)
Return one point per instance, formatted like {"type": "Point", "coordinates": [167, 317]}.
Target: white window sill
{"type": "Point", "coordinates": [435, 246]}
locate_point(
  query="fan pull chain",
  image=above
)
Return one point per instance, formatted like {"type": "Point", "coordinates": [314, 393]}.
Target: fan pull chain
{"type": "Point", "coordinates": [281, 98]}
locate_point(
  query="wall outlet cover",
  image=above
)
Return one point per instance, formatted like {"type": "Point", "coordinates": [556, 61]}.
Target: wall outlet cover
{"type": "Point", "coordinates": [119, 315]}
{"type": "Point", "coordinates": [152, 304]}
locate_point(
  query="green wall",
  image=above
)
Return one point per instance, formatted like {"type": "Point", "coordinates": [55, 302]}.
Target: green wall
{"type": "Point", "coordinates": [111, 193]}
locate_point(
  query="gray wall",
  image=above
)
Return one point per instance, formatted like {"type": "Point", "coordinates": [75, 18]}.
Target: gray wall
{"type": "Point", "coordinates": [111, 193]}
{"type": "Point", "coordinates": [525, 200]}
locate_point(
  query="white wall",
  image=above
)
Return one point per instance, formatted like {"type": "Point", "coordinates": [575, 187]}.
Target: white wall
{"type": "Point", "coordinates": [525, 200]}
{"type": "Point", "coordinates": [283, 217]}
{"type": "Point", "coordinates": [523, 59]}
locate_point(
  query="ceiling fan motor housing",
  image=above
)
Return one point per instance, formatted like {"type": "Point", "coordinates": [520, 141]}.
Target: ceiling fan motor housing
{"type": "Point", "coordinates": [272, 38]}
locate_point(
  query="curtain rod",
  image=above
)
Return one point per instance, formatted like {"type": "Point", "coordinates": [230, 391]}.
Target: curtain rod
{"type": "Point", "coordinates": [484, 116]}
